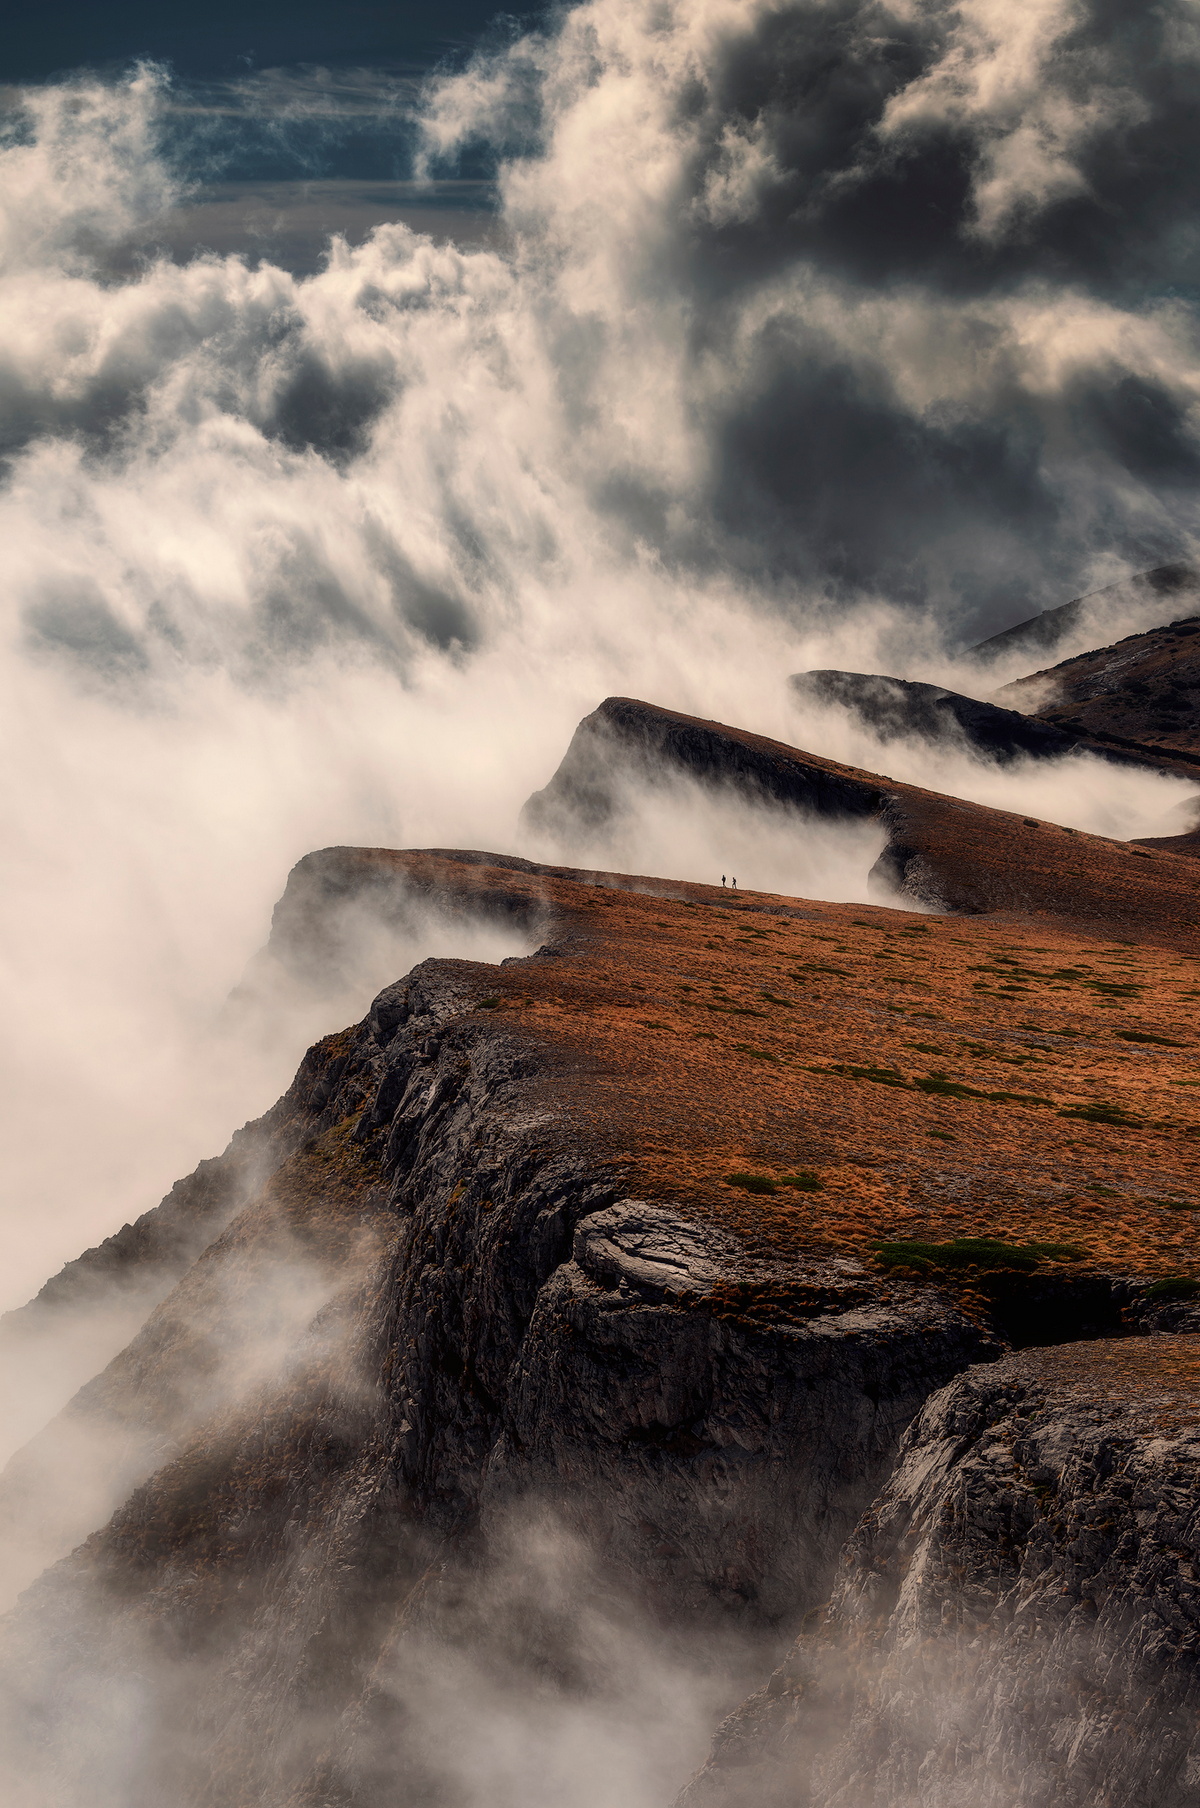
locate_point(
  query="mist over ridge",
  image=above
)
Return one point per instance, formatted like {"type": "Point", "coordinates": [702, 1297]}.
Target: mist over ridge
{"type": "Point", "coordinates": [813, 335]}
{"type": "Point", "coordinates": [484, 1423]}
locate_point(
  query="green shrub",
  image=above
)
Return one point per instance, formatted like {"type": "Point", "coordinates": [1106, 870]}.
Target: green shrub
{"type": "Point", "coordinates": [752, 1183]}
{"type": "Point", "coordinates": [803, 1182]}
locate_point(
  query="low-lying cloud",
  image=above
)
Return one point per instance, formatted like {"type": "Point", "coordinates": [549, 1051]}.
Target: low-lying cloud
{"type": "Point", "coordinates": [812, 336]}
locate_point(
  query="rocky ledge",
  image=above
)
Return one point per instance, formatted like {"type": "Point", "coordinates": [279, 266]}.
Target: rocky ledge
{"type": "Point", "coordinates": [1017, 1617]}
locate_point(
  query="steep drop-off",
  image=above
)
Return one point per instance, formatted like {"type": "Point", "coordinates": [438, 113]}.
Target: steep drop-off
{"type": "Point", "coordinates": [654, 1238]}
{"type": "Point", "coordinates": [1017, 1618]}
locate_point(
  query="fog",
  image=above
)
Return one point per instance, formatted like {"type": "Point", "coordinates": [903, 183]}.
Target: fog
{"type": "Point", "coordinates": [798, 336]}
{"type": "Point", "coordinates": [294, 560]}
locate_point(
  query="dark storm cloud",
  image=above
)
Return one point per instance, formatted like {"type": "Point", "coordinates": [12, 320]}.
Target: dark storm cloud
{"type": "Point", "coordinates": [813, 303]}
{"type": "Point", "coordinates": [952, 185]}
{"type": "Point", "coordinates": [821, 464]}
{"type": "Point", "coordinates": [880, 201]}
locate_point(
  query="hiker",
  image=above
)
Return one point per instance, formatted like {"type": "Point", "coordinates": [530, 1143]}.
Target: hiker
{"type": "Point", "coordinates": [722, 878]}
{"type": "Point", "coordinates": [733, 882]}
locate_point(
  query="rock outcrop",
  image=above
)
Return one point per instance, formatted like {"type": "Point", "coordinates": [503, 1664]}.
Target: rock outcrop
{"type": "Point", "coordinates": [1017, 1617]}
{"type": "Point", "coordinates": [476, 1315]}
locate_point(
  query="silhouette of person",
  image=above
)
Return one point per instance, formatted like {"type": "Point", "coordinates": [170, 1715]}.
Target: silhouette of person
{"type": "Point", "coordinates": [733, 882]}
{"type": "Point", "coordinates": [722, 878]}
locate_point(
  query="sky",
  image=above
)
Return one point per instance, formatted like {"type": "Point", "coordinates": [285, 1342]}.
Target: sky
{"type": "Point", "coordinates": [227, 37]}
{"type": "Point", "coordinates": [380, 389]}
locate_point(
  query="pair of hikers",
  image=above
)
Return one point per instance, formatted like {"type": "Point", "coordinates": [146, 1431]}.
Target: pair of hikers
{"type": "Point", "coordinates": [733, 882]}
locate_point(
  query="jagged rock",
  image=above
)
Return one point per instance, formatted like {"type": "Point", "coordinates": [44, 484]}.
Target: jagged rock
{"type": "Point", "coordinates": [503, 1325]}
{"type": "Point", "coordinates": [1017, 1620]}
{"type": "Point", "coordinates": [567, 1263]}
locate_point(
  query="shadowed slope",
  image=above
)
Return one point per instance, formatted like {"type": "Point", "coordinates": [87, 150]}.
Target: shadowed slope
{"type": "Point", "coordinates": [1094, 615]}
{"type": "Point", "coordinates": [941, 852]}
{"type": "Point", "coordinates": [899, 708]}
{"type": "Point", "coordinates": [1144, 690]}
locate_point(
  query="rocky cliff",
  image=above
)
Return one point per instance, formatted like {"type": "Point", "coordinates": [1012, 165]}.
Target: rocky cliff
{"type": "Point", "coordinates": [577, 1308]}
{"type": "Point", "coordinates": [1017, 1618]}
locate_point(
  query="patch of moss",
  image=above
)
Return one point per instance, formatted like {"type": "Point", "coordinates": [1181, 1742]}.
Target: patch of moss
{"type": "Point", "coordinates": [803, 1182]}
{"type": "Point", "coordinates": [489, 1004]}
{"type": "Point", "coordinates": [1102, 1114]}
{"type": "Point", "coordinates": [950, 1089]}
{"type": "Point", "coordinates": [1173, 1286]}
{"type": "Point", "coordinates": [972, 1252]}
{"type": "Point", "coordinates": [938, 1085]}
{"type": "Point", "coordinates": [882, 1076]}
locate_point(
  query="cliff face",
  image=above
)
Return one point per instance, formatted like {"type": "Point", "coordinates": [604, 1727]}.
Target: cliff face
{"type": "Point", "coordinates": [578, 1311]}
{"type": "Point", "coordinates": [1017, 1618]}
{"type": "Point", "coordinates": [489, 1322]}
